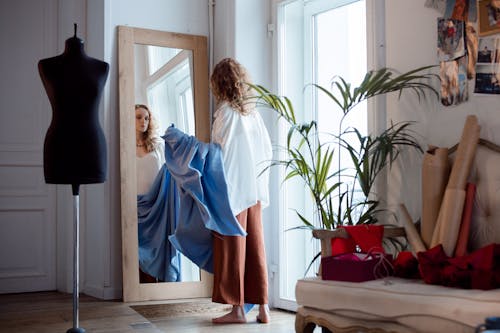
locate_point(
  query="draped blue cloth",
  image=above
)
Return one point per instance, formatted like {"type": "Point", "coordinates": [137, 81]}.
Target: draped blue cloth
{"type": "Point", "coordinates": [187, 201]}
{"type": "Point", "coordinates": [157, 220]}
{"type": "Point", "coordinates": [204, 205]}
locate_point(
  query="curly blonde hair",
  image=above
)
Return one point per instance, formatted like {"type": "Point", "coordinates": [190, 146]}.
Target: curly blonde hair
{"type": "Point", "coordinates": [229, 83]}
{"type": "Point", "coordinates": [149, 136]}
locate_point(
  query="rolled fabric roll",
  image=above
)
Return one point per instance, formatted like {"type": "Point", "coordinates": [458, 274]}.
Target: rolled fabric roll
{"type": "Point", "coordinates": [465, 154]}
{"type": "Point", "coordinates": [463, 234]}
{"type": "Point", "coordinates": [450, 212]}
{"type": "Point", "coordinates": [411, 232]}
{"type": "Point", "coordinates": [435, 173]}
{"type": "Point", "coordinates": [449, 220]}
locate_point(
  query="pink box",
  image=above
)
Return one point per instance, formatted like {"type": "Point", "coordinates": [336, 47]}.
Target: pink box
{"type": "Point", "coordinates": [356, 267]}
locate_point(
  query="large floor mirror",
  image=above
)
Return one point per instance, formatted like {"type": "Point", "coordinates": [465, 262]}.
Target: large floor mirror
{"type": "Point", "coordinates": [168, 72]}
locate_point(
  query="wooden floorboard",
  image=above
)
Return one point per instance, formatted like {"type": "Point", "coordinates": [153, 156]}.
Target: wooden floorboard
{"type": "Point", "coordinates": [52, 312]}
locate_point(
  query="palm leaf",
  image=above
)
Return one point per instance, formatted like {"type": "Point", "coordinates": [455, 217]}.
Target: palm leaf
{"type": "Point", "coordinates": [339, 202]}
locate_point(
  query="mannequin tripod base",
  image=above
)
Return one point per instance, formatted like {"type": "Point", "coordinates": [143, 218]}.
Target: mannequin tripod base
{"type": "Point", "coordinates": [76, 330]}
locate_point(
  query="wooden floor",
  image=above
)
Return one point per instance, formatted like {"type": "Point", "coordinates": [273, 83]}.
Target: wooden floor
{"type": "Point", "coordinates": [52, 312]}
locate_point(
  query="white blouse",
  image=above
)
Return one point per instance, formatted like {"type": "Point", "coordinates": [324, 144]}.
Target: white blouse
{"type": "Point", "coordinates": [246, 151]}
{"type": "Point", "coordinates": [148, 167]}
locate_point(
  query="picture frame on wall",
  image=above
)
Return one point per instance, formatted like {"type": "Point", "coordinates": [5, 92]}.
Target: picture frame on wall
{"type": "Point", "coordinates": [487, 79]}
{"type": "Point", "coordinates": [489, 17]}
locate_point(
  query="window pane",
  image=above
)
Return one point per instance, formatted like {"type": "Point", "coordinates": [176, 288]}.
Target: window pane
{"type": "Point", "coordinates": [316, 43]}
{"type": "Point", "coordinates": [296, 244]}
{"type": "Point", "coordinates": [159, 56]}
{"type": "Point", "coordinates": [171, 97]}
{"type": "Point", "coordinates": [340, 51]}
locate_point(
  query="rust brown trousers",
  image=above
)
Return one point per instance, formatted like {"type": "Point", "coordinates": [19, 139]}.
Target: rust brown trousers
{"type": "Point", "coordinates": [240, 273]}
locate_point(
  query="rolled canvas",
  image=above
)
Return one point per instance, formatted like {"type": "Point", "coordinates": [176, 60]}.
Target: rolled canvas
{"type": "Point", "coordinates": [450, 212]}
{"type": "Point", "coordinates": [463, 234]}
{"type": "Point", "coordinates": [411, 232]}
{"type": "Point", "coordinates": [449, 220]}
{"type": "Point", "coordinates": [465, 154]}
{"type": "Point", "coordinates": [435, 173]}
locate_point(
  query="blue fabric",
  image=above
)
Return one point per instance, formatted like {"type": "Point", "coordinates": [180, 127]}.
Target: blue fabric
{"type": "Point", "coordinates": [198, 172]}
{"type": "Point", "coordinates": [198, 169]}
{"type": "Point", "coordinates": [187, 200]}
{"type": "Point", "coordinates": [156, 221]}
{"type": "Point", "coordinates": [247, 307]}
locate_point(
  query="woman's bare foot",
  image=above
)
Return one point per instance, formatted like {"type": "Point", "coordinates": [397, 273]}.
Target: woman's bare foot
{"type": "Point", "coordinates": [236, 316]}
{"type": "Point", "coordinates": [263, 316]}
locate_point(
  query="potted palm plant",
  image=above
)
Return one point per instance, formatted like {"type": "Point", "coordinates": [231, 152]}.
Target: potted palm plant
{"type": "Point", "coordinates": [345, 196]}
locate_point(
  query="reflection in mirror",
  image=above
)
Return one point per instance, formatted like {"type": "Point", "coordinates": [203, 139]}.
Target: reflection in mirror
{"type": "Point", "coordinates": [163, 81]}
{"type": "Point", "coordinates": [171, 79]}
{"type": "Point", "coordinates": [164, 96]}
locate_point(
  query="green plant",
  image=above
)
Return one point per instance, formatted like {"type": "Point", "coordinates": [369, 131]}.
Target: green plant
{"type": "Point", "coordinates": [337, 201]}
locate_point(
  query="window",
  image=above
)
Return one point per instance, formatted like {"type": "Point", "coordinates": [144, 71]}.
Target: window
{"type": "Point", "coordinates": [172, 92]}
{"type": "Point", "coordinates": [316, 40]}
{"type": "Point", "coordinates": [166, 85]}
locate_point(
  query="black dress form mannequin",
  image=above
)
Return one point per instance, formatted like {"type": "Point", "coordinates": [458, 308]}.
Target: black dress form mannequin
{"type": "Point", "coordinates": [74, 151]}
{"type": "Point", "coordinates": [75, 147]}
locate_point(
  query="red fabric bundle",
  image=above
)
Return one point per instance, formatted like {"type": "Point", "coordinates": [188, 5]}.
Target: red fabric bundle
{"type": "Point", "coordinates": [478, 270]}
{"type": "Point", "coordinates": [367, 237]}
{"type": "Point", "coordinates": [406, 265]}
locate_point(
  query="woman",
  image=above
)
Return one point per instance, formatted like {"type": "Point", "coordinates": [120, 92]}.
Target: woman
{"type": "Point", "coordinates": [150, 149]}
{"type": "Point", "coordinates": [240, 272]}
{"type": "Point", "coordinates": [150, 152]}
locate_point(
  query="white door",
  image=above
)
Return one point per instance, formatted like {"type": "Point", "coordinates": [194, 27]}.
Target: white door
{"type": "Point", "coordinates": [317, 39]}
{"type": "Point", "coordinates": [27, 205]}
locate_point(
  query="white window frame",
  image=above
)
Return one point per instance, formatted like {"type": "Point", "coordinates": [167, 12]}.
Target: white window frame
{"type": "Point", "coordinates": [375, 122]}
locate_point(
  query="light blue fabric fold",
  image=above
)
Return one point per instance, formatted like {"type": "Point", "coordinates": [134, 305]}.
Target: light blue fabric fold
{"type": "Point", "coordinates": [156, 221]}
{"type": "Point", "coordinates": [187, 201]}
{"type": "Point", "coordinates": [197, 169]}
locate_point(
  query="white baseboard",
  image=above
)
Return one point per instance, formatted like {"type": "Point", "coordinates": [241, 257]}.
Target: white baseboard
{"type": "Point", "coordinates": [104, 293]}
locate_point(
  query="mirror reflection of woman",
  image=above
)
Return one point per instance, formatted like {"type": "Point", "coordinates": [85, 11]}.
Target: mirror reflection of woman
{"type": "Point", "coordinates": [150, 152]}
{"type": "Point", "coordinates": [150, 149]}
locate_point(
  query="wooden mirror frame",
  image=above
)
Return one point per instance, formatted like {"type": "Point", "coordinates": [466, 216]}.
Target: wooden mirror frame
{"type": "Point", "coordinates": [133, 290]}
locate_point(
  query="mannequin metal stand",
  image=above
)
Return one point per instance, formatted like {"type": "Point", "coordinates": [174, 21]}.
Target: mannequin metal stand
{"type": "Point", "coordinates": [76, 236]}
{"type": "Point", "coordinates": [74, 150]}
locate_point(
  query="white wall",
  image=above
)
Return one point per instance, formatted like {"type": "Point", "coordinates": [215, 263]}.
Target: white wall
{"type": "Point", "coordinates": [411, 41]}
{"type": "Point", "coordinates": [27, 206]}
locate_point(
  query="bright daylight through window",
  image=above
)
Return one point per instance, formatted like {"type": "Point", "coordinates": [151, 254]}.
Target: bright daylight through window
{"type": "Point", "coordinates": [317, 40]}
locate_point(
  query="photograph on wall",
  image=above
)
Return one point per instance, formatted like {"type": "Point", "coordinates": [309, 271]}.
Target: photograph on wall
{"type": "Point", "coordinates": [489, 17]}
{"type": "Point", "coordinates": [488, 66]}
{"type": "Point", "coordinates": [463, 10]}
{"type": "Point", "coordinates": [487, 79]}
{"type": "Point", "coordinates": [472, 42]}
{"type": "Point", "coordinates": [488, 50]}
{"type": "Point", "coordinates": [454, 82]}
{"type": "Point", "coordinates": [451, 44]}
